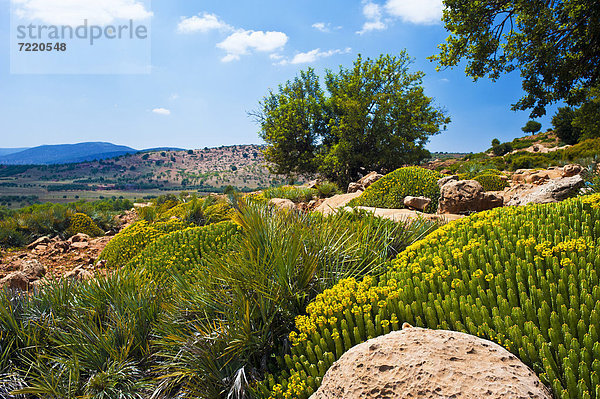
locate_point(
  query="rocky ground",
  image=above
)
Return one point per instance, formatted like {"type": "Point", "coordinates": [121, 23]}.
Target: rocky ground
{"type": "Point", "coordinates": [52, 258]}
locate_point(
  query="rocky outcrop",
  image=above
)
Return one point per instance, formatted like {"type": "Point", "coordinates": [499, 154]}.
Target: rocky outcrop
{"type": "Point", "coordinates": [428, 364]}
{"type": "Point", "coordinates": [447, 179]}
{"type": "Point", "coordinates": [466, 196]}
{"type": "Point", "coordinates": [403, 215]}
{"type": "Point", "coordinates": [553, 191]}
{"type": "Point", "coordinates": [572, 170]}
{"type": "Point", "coordinates": [418, 203]}
{"type": "Point", "coordinates": [282, 203]}
{"type": "Point", "coordinates": [331, 204]}
{"type": "Point", "coordinates": [364, 183]}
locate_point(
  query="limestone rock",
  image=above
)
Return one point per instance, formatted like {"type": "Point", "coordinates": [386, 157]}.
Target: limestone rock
{"type": "Point", "coordinates": [369, 179]}
{"type": "Point", "coordinates": [80, 245]}
{"type": "Point", "coordinates": [79, 274]}
{"type": "Point", "coordinates": [15, 281]}
{"type": "Point", "coordinates": [40, 241]}
{"type": "Point", "coordinates": [465, 196]}
{"type": "Point", "coordinates": [331, 204]}
{"type": "Point", "coordinates": [418, 203]}
{"type": "Point", "coordinates": [553, 191]}
{"type": "Point", "coordinates": [33, 269]}
{"type": "Point", "coordinates": [354, 187]}
{"type": "Point", "coordinates": [572, 170]}
{"type": "Point", "coordinates": [441, 182]}
{"type": "Point", "coordinates": [428, 364]}
{"type": "Point", "coordinates": [79, 237]}
{"type": "Point", "coordinates": [282, 203]}
{"type": "Point", "coordinates": [403, 215]}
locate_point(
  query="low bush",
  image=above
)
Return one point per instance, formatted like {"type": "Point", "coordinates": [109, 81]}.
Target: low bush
{"type": "Point", "coordinates": [524, 277]}
{"type": "Point", "coordinates": [390, 190]}
{"type": "Point", "coordinates": [82, 223]}
{"type": "Point", "coordinates": [131, 241]}
{"type": "Point", "coordinates": [328, 189]}
{"type": "Point", "coordinates": [491, 182]}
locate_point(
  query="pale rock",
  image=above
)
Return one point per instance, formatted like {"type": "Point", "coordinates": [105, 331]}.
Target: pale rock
{"type": "Point", "coordinates": [33, 269]}
{"type": "Point", "coordinates": [79, 237]}
{"type": "Point", "coordinates": [447, 179]}
{"type": "Point", "coordinates": [331, 204]}
{"type": "Point", "coordinates": [40, 241]}
{"type": "Point", "coordinates": [80, 245]}
{"type": "Point", "coordinates": [572, 170]}
{"type": "Point", "coordinates": [15, 281]}
{"type": "Point", "coordinates": [429, 364]}
{"type": "Point", "coordinates": [282, 203]}
{"type": "Point", "coordinates": [418, 203]}
{"type": "Point", "coordinates": [554, 191]}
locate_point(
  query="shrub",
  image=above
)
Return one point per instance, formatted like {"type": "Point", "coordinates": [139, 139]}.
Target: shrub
{"type": "Point", "coordinates": [525, 278]}
{"type": "Point", "coordinates": [328, 189]}
{"type": "Point", "coordinates": [502, 149]}
{"type": "Point", "coordinates": [82, 223]}
{"type": "Point", "coordinates": [128, 243]}
{"type": "Point", "coordinates": [390, 190]}
{"type": "Point", "coordinates": [491, 182]}
{"type": "Point", "coordinates": [293, 193]}
{"type": "Point", "coordinates": [181, 252]}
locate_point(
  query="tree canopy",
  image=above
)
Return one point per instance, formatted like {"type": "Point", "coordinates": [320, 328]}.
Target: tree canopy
{"type": "Point", "coordinates": [554, 44]}
{"type": "Point", "coordinates": [373, 116]}
{"type": "Point", "coordinates": [531, 127]}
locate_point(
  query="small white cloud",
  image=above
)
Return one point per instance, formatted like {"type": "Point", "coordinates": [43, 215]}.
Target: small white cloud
{"type": "Point", "coordinates": [374, 18]}
{"type": "Point", "coordinates": [204, 23]}
{"type": "Point", "coordinates": [312, 56]}
{"type": "Point", "coordinates": [275, 56]}
{"type": "Point", "coordinates": [162, 111]}
{"type": "Point", "coordinates": [73, 12]}
{"type": "Point", "coordinates": [321, 26]}
{"type": "Point", "coordinates": [173, 97]}
{"type": "Point", "coordinates": [425, 12]}
{"type": "Point", "coordinates": [243, 42]}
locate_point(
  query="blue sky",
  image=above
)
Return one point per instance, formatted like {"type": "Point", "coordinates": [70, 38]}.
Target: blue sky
{"type": "Point", "coordinates": [212, 61]}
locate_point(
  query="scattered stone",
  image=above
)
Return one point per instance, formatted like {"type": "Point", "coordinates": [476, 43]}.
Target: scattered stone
{"type": "Point", "coordinates": [466, 196]}
{"type": "Point", "coordinates": [80, 245]}
{"type": "Point", "coordinates": [33, 269]}
{"type": "Point", "coordinates": [403, 215]}
{"type": "Point", "coordinates": [428, 364]}
{"type": "Point", "coordinates": [15, 281]}
{"type": "Point", "coordinates": [418, 203]}
{"type": "Point", "coordinates": [79, 237]}
{"type": "Point", "coordinates": [40, 241]}
{"type": "Point", "coordinates": [364, 182]}
{"type": "Point", "coordinates": [572, 170]}
{"type": "Point", "coordinates": [282, 203]}
{"type": "Point", "coordinates": [354, 187]}
{"type": "Point", "coordinates": [442, 182]}
{"type": "Point", "coordinates": [553, 191]}
{"type": "Point", "coordinates": [79, 274]}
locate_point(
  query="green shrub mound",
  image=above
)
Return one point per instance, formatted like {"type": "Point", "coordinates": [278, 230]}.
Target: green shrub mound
{"type": "Point", "coordinates": [491, 182]}
{"type": "Point", "coordinates": [82, 223]}
{"type": "Point", "coordinates": [525, 278]}
{"type": "Point", "coordinates": [181, 252]}
{"type": "Point", "coordinates": [128, 243]}
{"type": "Point", "coordinates": [390, 191]}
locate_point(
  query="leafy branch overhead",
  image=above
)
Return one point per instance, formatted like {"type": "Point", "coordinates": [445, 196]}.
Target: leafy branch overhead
{"type": "Point", "coordinates": [372, 116]}
{"type": "Point", "coordinates": [554, 44]}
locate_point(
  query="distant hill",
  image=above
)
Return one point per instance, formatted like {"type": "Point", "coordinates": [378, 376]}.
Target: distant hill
{"type": "Point", "coordinates": [65, 153]}
{"type": "Point", "coordinates": [8, 151]}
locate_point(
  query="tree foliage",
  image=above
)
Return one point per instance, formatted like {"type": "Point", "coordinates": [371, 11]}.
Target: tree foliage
{"type": "Point", "coordinates": [554, 44]}
{"type": "Point", "coordinates": [531, 127]}
{"type": "Point", "coordinates": [374, 116]}
{"type": "Point", "coordinates": [563, 126]}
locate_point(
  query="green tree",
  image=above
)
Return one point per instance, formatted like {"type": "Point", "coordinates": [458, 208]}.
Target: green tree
{"type": "Point", "coordinates": [554, 44]}
{"type": "Point", "coordinates": [495, 143]}
{"type": "Point", "coordinates": [587, 117]}
{"type": "Point", "coordinates": [375, 117]}
{"type": "Point", "coordinates": [531, 127]}
{"type": "Point", "coordinates": [292, 120]}
{"type": "Point", "coordinates": [563, 125]}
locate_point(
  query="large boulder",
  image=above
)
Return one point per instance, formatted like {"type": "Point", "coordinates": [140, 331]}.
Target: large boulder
{"type": "Point", "coordinates": [15, 281]}
{"type": "Point", "coordinates": [33, 269]}
{"type": "Point", "coordinates": [447, 179]}
{"type": "Point", "coordinates": [572, 170]}
{"type": "Point", "coordinates": [428, 364]}
{"type": "Point", "coordinates": [364, 182]}
{"type": "Point", "coordinates": [282, 203]}
{"type": "Point", "coordinates": [418, 203]}
{"type": "Point", "coordinates": [40, 241]}
{"type": "Point", "coordinates": [331, 204]}
{"type": "Point", "coordinates": [553, 191]}
{"type": "Point", "coordinates": [466, 196]}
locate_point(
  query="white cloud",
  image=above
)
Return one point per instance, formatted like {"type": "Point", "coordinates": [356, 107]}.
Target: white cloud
{"type": "Point", "coordinates": [321, 26]}
{"type": "Point", "coordinates": [162, 111]}
{"type": "Point", "coordinates": [416, 11]}
{"type": "Point", "coordinates": [203, 23]}
{"type": "Point", "coordinates": [75, 12]}
{"type": "Point", "coordinates": [243, 42]}
{"type": "Point", "coordinates": [312, 56]}
{"type": "Point", "coordinates": [374, 18]}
